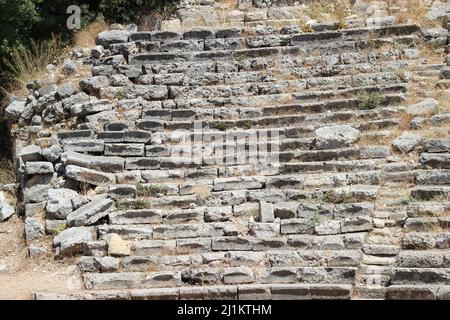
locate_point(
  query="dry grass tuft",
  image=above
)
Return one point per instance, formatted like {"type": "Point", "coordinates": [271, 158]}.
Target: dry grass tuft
{"type": "Point", "coordinates": [414, 11]}
{"type": "Point", "coordinates": [7, 172]}
{"type": "Point", "coordinates": [330, 10]}
{"type": "Point", "coordinates": [86, 37]}
{"type": "Point", "coordinates": [25, 65]}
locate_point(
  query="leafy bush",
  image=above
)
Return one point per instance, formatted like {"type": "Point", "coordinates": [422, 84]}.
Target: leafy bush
{"type": "Point", "coordinates": [369, 101]}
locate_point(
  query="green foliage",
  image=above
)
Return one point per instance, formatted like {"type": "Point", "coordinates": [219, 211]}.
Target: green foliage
{"type": "Point", "coordinates": [25, 23]}
{"type": "Point", "coordinates": [369, 101]}
{"type": "Point", "coordinates": [134, 10]}
{"type": "Point", "coordinates": [220, 125]}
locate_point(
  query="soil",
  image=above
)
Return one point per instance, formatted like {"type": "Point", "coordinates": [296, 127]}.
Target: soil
{"type": "Point", "coordinates": [24, 276]}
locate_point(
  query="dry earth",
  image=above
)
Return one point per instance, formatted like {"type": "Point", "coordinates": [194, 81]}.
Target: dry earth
{"type": "Point", "coordinates": [20, 280]}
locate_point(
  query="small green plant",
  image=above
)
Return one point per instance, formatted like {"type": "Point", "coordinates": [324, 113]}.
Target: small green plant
{"type": "Point", "coordinates": [332, 197]}
{"type": "Point", "coordinates": [121, 204]}
{"type": "Point", "coordinates": [220, 125]}
{"type": "Point", "coordinates": [247, 125]}
{"type": "Point", "coordinates": [314, 220]}
{"type": "Point", "coordinates": [407, 201]}
{"type": "Point", "coordinates": [369, 101]}
{"type": "Point", "coordinates": [149, 190]}
{"type": "Point", "coordinates": [438, 44]}
{"type": "Point", "coordinates": [60, 229]}
{"type": "Point", "coordinates": [400, 72]}
{"type": "Point", "coordinates": [140, 204]}
{"type": "Point", "coordinates": [120, 94]}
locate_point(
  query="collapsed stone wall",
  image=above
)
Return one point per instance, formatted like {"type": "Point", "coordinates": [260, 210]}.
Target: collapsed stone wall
{"type": "Point", "coordinates": [351, 201]}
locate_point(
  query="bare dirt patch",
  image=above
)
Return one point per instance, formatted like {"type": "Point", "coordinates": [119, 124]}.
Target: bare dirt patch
{"type": "Point", "coordinates": [26, 276]}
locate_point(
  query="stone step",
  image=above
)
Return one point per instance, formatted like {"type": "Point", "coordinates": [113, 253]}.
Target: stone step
{"type": "Point", "coordinates": [419, 276]}
{"type": "Point", "coordinates": [427, 224]}
{"type": "Point", "coordinates": [223, 292]}
{"type": "Point", "coordinates": [418, 292]}
{"type": "Point", "coordinates": [215, 276]}
{"type": "Point", "coordinates": [294, 40]}
{"type": "Point", "coordinates": [431, 192]}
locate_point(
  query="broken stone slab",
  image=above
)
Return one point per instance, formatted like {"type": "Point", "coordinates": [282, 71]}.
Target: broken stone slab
{"type": "Point", "coordinates": [336, 136]}
{"type": "Point", "coordinates": [425, 107]}
{"type": "Point", "coordinates": [117, 246]}
{"type": "Point", "coordinates": [140, 216]}
{"type": "Point", "coordinates": [266, 212]}
{"type": "Point", "coordinates": [70, 241]}
{"type": "Point", "coordinates": [407, 142]}
{"type": "Point", "coordinates": [110, 281]}
{"type": "Point", "coordinates": [34, 229]}
{"type": "Point", "coordinates": [90, 107]}
{"type": "Point", "coordinates": [52, 153]}
{"type": "Point", "coordinates": [107, 164]}
{"type": "Point", "coordinates": [163, 279]}
{"type": "Point", "coordinates": [106, 38]}
{"type": "Point", "coordinates": [31, 153]}
{"type": "Point", "coordinates": [37, 193]}
{"type": "Point", "coordinates": [6, 207]}
{"type": "Point", "coordinates": [61, 202]}
{"type": "Point", "coordinates": [224, 184]}
{"type": "Point", "coordinates": [217, 214]}
{"type": "Point", "coordinates": [90, 213]}
{"type": "Point", "coordinates": [124, 149]}
{"type": "Point", "coordinates": [89, 176]}
{"type": "Point", "coordinates": [93, 85]}
{"type": "Point", "coordinates": [66, 90]}
{"type": "Point", "coordinates": [15, 109]}
{"type": "Point", "coordinates": [39, 168]}
{"type": "Point", "coordinates": [35, 251]}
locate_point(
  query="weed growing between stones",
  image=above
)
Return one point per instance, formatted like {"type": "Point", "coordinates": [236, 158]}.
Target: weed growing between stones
{"type": "Point", "coordinates": [369, 101]}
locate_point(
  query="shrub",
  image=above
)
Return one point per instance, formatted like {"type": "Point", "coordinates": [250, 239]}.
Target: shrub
{"type": "Point", "coordinates": [369, 102]}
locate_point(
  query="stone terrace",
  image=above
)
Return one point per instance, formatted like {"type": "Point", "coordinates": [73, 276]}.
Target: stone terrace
{"type": "Point", "coordinates": [356, 207]}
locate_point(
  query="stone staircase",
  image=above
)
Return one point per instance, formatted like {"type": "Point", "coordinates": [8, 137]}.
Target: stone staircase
{"type": "Point", "coordinates": [219, 163]}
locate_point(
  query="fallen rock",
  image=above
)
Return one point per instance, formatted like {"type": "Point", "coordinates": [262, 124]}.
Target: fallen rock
{"type": "Point", "coordinates": [69, 67]}
{"type": "Point", "coordinates": [90, 213]}
{"type": "Point", "coordinates": [70, 241]}
{"type": "Point", "coordinates": [117, 246]}
{"type": "Point", "coordinates": [407, 142]}
{"type": "Point", "coordinates": [15, 109]}
{"type": "Point", "coordinates": [3, 268]}
{"type": "Point", "coordinates": [336, 136]}
{"type": "Point", "coordinates": [34, 229]}
{"type": "Point", "coordinates": [6, 208]}
{"type": "Point", "coordinates": [61, 202]}
{"type": "Point", "coordinates": [427, 106]}
{"type": "Point", "coordinates": [106, 38]}
{"type": "Point", "coordinates": [38, 167]}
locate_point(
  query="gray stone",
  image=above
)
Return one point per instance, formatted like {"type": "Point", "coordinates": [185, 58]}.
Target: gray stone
{"type": "Point", "coordinates": [15, 109]}
{"type": "Point", "coordinates": [93, 85]}
{"type": "Point", "coordinates": [6, 207]}
{"type": "Point", "coordinates": [425, 107]}
{"type": "Point", "coordinates": [48, 90]}
{"type": "Point", "coordinates": [31, 153]}
{"type": "Point", "coordinates": [37, 193]}
{"type": "Point", "coordinates": [107, 164]}
{"type": "Point", "coordinates": [34, 229]}
{"type": "Point", "coordinates": [69, 67]}
{"type": "Point", "coordinates": [97, 51]}
{"type": "Point", "coordinates": [336, 136]}
{"type": "Point", "coordinates": [38, 167]}
{"type": "Point", "coordinates": [89, 176]}
{"type": "Point", "coordinates": [52, 153]}
{"type": "Point", "coordinates": [66, 90]}
{"type": "Point", "coordinates": [106, 38]}
{"type": "Point", "coordinates": [63, 201]}
{"type": "Point", "coordinates": [407, 142]}
{"type": "Point", "coordinates": [35, 251]}
{"type": "Point", "coordinates": [70, 241]}
{"type": "Point", "coordinates": [90, 213]}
